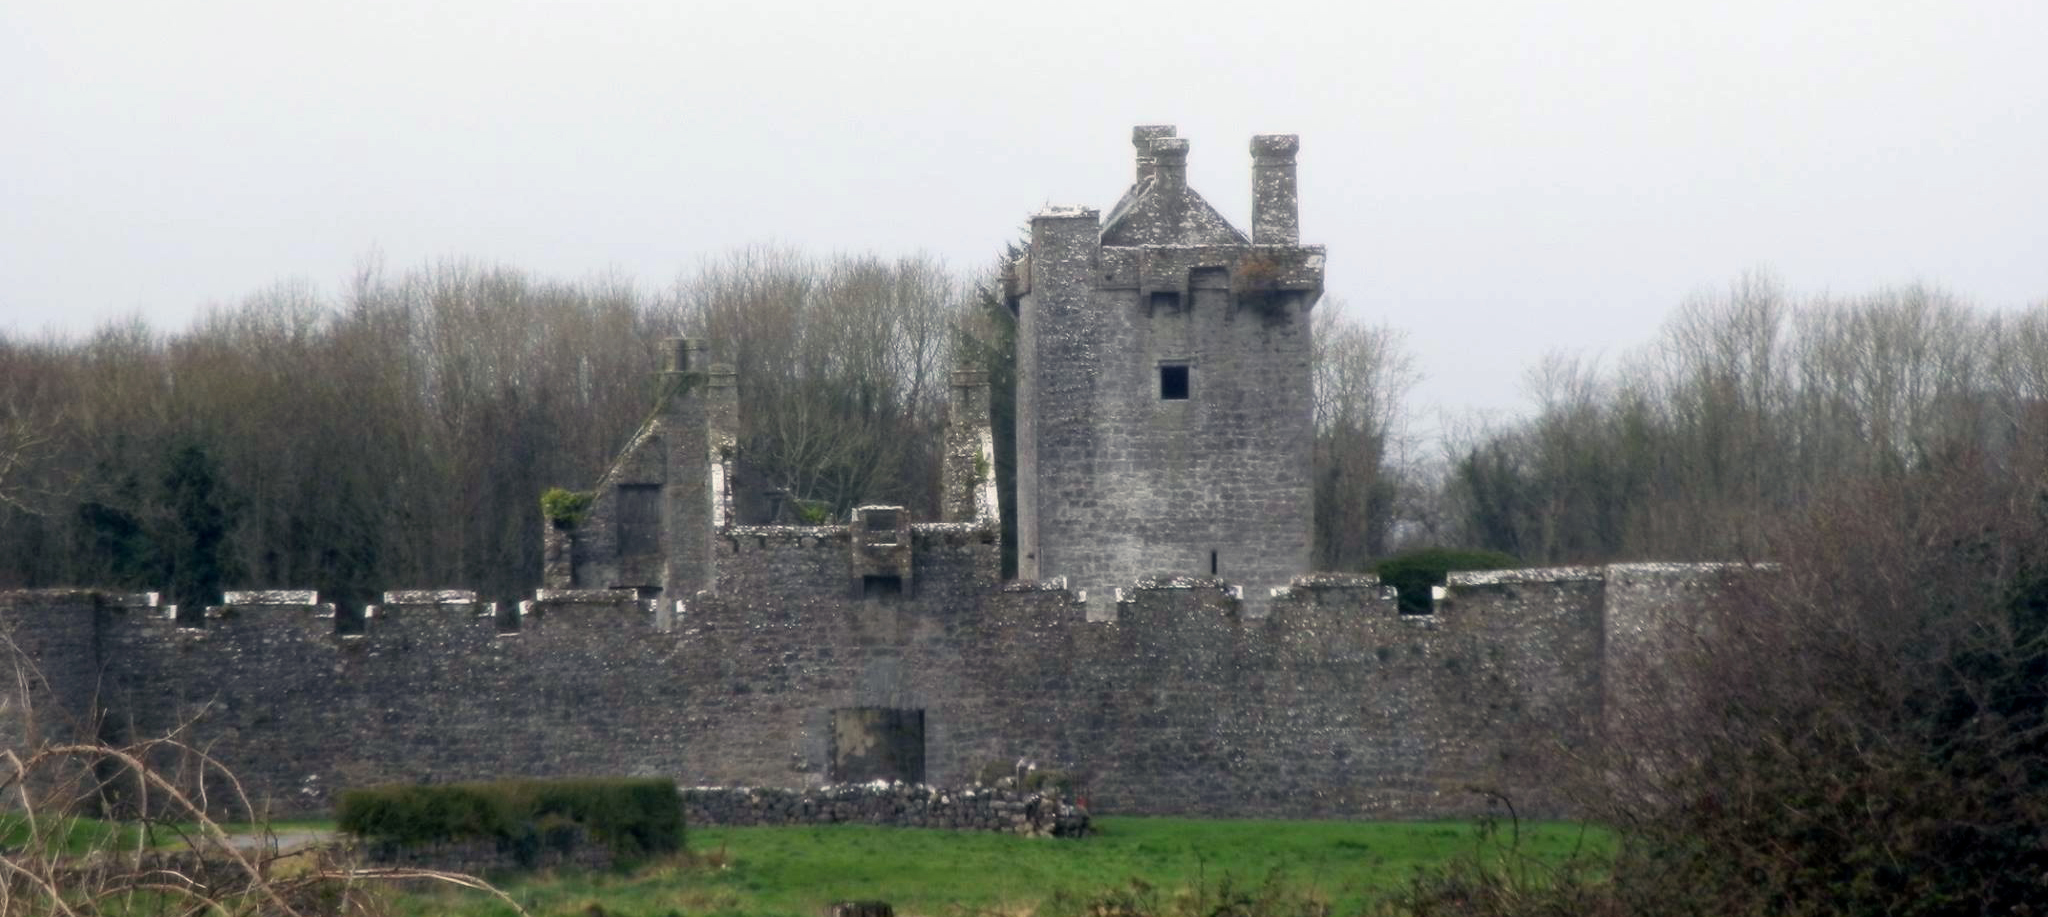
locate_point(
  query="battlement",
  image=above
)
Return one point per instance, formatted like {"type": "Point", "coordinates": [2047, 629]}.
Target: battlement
{"type": "Point", "coordinates": [1165, 640]}
{"type": "Point", "coordinates": [1332, 703]}
{"type": "Point", "coordinates": [1484, 578]}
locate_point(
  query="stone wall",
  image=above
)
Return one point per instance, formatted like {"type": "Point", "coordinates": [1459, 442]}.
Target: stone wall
{"type": "Point", "coordinates": [1331, 704]}
{"type": "Point", "coordinates": [899, 805]}
{"type": "Point", "coordinates": [51, 646]}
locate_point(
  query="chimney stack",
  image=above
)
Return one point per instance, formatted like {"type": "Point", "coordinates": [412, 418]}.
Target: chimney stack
{"type": "Point", "coordinates": [1276, 206]}
{"type": "Point", "coordinates": [682, 355]}
{"type": "Point", "coordinates": [1142, 137]}
{"type": "Point", "coordinates": [1170, 166]}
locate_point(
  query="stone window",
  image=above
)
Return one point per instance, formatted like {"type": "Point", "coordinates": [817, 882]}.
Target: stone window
{"type": "Point", "coordinates": [639, 519]}
{"type": "Point", "coordinates": [1165, 302]}
{"type": "Point", "coordinates": [1173, 382]}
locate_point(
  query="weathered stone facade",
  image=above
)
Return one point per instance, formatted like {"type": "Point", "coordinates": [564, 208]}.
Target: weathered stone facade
{"type": "Point", "coordinates": [1332, 704]}
{"type": "Point", "coordinates": [1167, 649]}
{"type": "Point", "coordinates": [1164, 398]}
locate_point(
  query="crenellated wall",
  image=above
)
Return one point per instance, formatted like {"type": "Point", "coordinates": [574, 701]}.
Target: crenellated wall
{"type": "Point", "coordinates": [1163, 422]}
{"type": "Point", "coordinates": [1331, 704]}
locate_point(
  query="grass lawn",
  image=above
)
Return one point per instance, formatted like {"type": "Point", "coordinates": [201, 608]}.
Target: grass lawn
{"type": "Point", "coordinates": [795, 871]}
{"type": "Point", "coordinates": [78, 836]}
{"type": "Point", "coordinates": [67, 835]}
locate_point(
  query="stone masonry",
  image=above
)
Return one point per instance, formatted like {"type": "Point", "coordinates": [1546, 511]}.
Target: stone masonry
{"type": "Point", "coordinates": [1164, 395]}
{"type": "Point", "coordinates": [1166, 647]}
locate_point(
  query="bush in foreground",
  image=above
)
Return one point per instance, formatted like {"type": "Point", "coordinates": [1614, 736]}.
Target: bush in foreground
{"type": "Point", "coordinates": [1863, 730]}
{"type": "Point", "coordinates": [634, 817]}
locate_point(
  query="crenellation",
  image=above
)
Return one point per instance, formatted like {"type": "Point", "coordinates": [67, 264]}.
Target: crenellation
{"type": "Point", "coordinates": [430, 597]}
{"type": "Point", "coordinates": [271, 597]}
{"type": "Point", "coordinates": [1183, 703]}
{"type": "Point", "coordinates": [583, 596]}
{"type": "Point", "coordinates": [1163, 440]}
{"type": "Point", "coordinates": [1471, 579]}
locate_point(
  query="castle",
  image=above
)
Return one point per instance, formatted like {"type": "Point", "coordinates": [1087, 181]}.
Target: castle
{"type": "Point", "coordinates": [1165, 642]}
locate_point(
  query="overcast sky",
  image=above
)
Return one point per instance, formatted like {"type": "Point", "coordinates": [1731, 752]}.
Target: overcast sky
{"type": "Point", "coordinates": [1498, 179]}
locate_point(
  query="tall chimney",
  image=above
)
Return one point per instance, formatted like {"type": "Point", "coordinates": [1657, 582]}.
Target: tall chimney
{"type": "Point", "coordinates": [968, 492]}
{"type": "Point", "coordinates": [1142, 137]}
{"type": "Point", "coordinates": [1169, 166]}
{"type": "Point", "coordinates": [682, 355]}
{"type": "Point", "coordinates": [1276, 206]}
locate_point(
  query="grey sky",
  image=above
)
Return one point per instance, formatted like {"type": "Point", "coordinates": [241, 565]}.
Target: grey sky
{"type": "Point", "coordinates": [1499, 179]}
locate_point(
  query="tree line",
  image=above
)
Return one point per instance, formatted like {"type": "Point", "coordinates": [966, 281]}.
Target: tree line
{"type": "Point", "coordinates": [1749, 405]}
{"type": "Point", "coordinates": [400, 432]}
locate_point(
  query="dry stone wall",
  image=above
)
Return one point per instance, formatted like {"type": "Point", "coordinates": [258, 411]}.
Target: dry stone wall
{"type": "Point", "coordinates": [901, 805]}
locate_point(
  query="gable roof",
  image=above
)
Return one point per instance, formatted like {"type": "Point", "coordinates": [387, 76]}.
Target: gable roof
{"type": "Point", "coordinates": [1149, 214]}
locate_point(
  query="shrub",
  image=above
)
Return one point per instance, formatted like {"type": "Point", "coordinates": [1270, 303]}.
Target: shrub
{"type": "Point", "coordinates": [1047, 780]}
{"type": "Point", "coordinates": [634, 817]}
{"type": "Point", "coordinates": [1862, 730]}
{"type": "Point", "coordinates": [1414, 572]}
{"type": "Point", "coordinates": [565, 508]}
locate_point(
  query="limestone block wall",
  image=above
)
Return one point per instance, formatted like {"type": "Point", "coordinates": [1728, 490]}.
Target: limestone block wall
{"type": "Point", "coordinates": [1657, 613]}
{"type": "Point", "coordinates": [426, 693]}
{"type": "Point", "coordinates": [783, 643]}
{"type": "Point", "coordinates": [49, 644]}
{"type": "Point", "coordinates": [1332, 704]}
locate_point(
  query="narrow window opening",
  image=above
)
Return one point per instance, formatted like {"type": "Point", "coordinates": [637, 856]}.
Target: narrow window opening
{"type": "Point", "coordinates": [881, 589]}
{"type": "Point", "coordinates": [880, 525]}
{"type": "Point", "coordinates": [1166, 302]}
{"type": "Point", "coordinates": [639, 516]}
{"type": "Point", "coordinates": [1419, 600]}
{"type": "Point", "coordinates": [1173, 382]}
{"type": "Point", "coordinates": [1212, 563]}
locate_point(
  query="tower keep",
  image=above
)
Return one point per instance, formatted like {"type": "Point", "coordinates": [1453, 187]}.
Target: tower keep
{"type": "Point", "coordinates": [1164, 387]}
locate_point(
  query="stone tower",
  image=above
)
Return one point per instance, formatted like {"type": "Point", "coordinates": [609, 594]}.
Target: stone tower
{"type": "Point", "coordinates": [1164, 413]}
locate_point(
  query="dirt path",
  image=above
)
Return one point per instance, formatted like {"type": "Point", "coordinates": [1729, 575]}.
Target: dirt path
{"type": "Point", "coordinates": [287, 840]}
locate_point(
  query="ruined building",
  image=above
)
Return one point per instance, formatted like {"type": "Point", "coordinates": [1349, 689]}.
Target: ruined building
{"type": "Point", "coordinates": [1165, 642]}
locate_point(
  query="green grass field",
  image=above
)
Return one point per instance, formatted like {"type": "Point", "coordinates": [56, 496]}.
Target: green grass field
{"type": "Point", "coordinates": [796, 871]}
{"type": "Point", "coordinates": [66, 835]}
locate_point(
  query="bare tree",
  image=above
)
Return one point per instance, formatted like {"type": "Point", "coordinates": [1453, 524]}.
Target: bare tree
{"type": "Point", "coordinates": [1363, 374]}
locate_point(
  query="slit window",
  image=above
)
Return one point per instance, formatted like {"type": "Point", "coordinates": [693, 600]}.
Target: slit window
{"type": "Point", "coordinates": [1173, 382]}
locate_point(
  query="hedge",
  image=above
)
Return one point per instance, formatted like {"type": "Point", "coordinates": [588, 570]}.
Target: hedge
{"type": "Point", "coordinates": [635, 817]}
